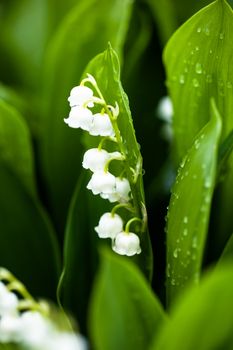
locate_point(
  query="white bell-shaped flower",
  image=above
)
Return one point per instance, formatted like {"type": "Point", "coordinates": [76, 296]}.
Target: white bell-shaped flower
{"type": "Point", "coordinates": [96, 159]}
{"type": "Point", "coordinates": [80, 95]}
{"type": "Point", "coordinates": [126, 243]}
{"type": "Point", "coordinates": [102, 182]}
{"type": "Point", "coordinates": [121, 193]}
{"type": "Point", "coordinates": [101, 125]}
{"type": "Point", "coordinates": [80, 117]}
{"type": "Point", "coordinates": [109, 225]}
{"type": "Point", "coordinates": [8, 301]}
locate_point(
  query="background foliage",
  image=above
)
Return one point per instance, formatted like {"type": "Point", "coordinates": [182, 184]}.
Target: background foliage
{"type": "Point", "coordinates": [46, 214]}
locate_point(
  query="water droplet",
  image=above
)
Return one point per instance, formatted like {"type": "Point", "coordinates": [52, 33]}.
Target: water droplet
{"type": "Point", "coordinates": [197, 48]}
{"type": "Point", "coordinates": [186, 69]}
{"type": "Point", "coordinates": [195, 83]}
{"type": "Point", "coordinates": [185, 232]}
{"type": "Point", "coordinates": [173, 282]}
{"type": "Point", "coordinates": [194, 242]}
{"type": "Point", "coordinates": [199, 30]}
{"type": "Point", "coordinates": [185, 220]}
{"type": "Point", "coordinates": [209, 78]}
{"type": "Point", "coordinates": [182, 79]}
{"type": "Point", "coordinates": [188, 252]}
{"type": "Point", "coordinates": [198, 68]}
{"type": "Point", "coordinates": [207, 31]}
{"type": "Point", "coordinates": [207, 183]}
{"type": "Point", "coordinates": [221, 36]}
{"type": "Point", "coordinates": [229, 85]}
{"type": "Point", "coordinates": [211, 51]}
{"type": "Point", "coordinates": [196, 144]}
{"type": "Point", "coordinates": [175, 253]}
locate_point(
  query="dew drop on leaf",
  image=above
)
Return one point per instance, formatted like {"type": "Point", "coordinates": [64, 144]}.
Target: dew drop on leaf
{"type": "Point", "coordinates": [198, 68]}
{"type": "Point", "coordinates": [175, 253]}
{"type": "Point", "coordinates": [221, 36]}
{"type": "Point", "coordinates": [182, 79]}
{"type": "Point", "coordinates": [195, 83]}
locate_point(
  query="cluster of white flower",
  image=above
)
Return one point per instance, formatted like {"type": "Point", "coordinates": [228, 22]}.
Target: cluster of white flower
{"type": "Point", "coordinates": [25, 322]}
{"type": "Point", "coordinates": [103, 183]}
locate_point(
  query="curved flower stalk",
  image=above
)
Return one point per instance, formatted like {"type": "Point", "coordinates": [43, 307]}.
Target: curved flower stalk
{"type": "Point", "coordinates": [28, 323]}
{"type": "Point", "coordinates": [92, 113]}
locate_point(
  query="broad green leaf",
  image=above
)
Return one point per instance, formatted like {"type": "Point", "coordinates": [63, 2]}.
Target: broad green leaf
{"type": "Point", "coordinates": [203, 317]}
{"type": "Point", "coordinates": [15, 145]}
{"type": "Point", "coordinates": [80, 252]}
{"type": "Point", "coordinates": [84, 33]}
{"type": "Point", "coordinates": [106, 70]}
{"type": "Point", "coordinates": [124, 313]}
{"type": "Point", "coordinates": [198, 61]}
{"type": "Point", "coordinates": [189, 208]}
{"type": "Point", "coordinates": [27, 244]}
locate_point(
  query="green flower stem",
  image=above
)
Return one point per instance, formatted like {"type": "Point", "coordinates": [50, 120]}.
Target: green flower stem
{"type": "Point", "coordinates": [130, 222]}
{"type": "Point", "coordinates": [127, 206]}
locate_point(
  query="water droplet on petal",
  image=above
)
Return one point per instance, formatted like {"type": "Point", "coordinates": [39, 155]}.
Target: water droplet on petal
{"type": "Point", "coordinates": [185, 220]}
{"type": "Point", "coordinates": [221, 36]}
{"type": "Point", "coordinates": [199, 30]}
{"type": "Point", "coordinates": [185, 232]}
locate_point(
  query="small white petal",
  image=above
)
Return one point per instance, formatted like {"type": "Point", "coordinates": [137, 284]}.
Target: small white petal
{"type": "Point", "coordinates": [109, 226]}
{"type": "Point", "coordinates": [35, 328]}
{"type": "Point", "coordinates": [80, 117]}
{"type": "Point", "coordinates": [102, 182]}
{"type": "Point", "coordinates": [127, 244]}
{"type": "Point", "coordinates": [10, 329]}
{"type": "Point", "coordinates": [101, 125]}
{"type": "Point", "coordinates": [165, 109]}
{"type": "Point", "coordinates": [79, 95]}
{"type": "Point", "coordinates": [95, 159]}
{"type": "Point", "coordinates": [8, 303]}
{"type": "Point", "coordinates": [123, 188]}
{"type": "Point", "coordinates": [65, 341]}
{"type": "Point", "coordinates": [121, 193]}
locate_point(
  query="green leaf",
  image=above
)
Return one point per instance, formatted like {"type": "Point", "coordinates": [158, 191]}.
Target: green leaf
{"type": "Point", "coordinates": [124, 313]}
{"type": "Point", "coordinates": [203, 318]}
{"type": "Point", "coordinates": [68, 54]}
{"type": "Point", "coordinates": [27, 244]}
{"type": "Point", "coordinates": [15, 146]}
{"type": "Point", "coordinates": [106, 70]}
{"type": "Point", "coordinates": [189, 208]}
{"type": "Point", "coordinates": [225, 152]}
{"type": "Point", "coordinates": [80, 252]}
{"type": "Point", "coordinates": [227, 253]}
{"type": "Point", "coordinates": [198, 61]}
